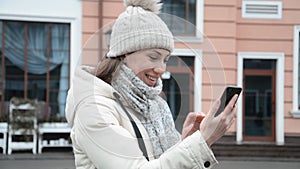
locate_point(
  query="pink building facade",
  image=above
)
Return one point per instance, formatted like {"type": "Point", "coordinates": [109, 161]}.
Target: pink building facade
{"type": "Point", "coordinates": [253, 44]}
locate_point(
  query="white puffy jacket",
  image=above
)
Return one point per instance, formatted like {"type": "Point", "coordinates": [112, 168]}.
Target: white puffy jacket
{"type": "Point", "coordinates": [103, 136]}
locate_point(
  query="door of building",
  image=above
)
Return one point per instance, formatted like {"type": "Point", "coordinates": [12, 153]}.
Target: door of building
{"type": "Point", "coordinates": [259, 80]}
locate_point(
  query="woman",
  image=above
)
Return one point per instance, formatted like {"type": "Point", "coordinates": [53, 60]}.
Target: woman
{"type": "Point", "coordinates": [117, 117]}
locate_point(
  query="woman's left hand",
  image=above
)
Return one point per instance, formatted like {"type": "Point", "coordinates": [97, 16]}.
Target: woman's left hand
{"type": "Point", "coordinates": [191, 124]}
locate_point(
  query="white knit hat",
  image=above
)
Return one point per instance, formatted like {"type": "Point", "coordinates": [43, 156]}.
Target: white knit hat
{"type": "Point", "coordinates": [139, 27]}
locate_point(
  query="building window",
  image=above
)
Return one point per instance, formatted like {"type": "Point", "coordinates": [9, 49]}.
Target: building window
{"type": "Point", "coordinates": [279, 91]}
{"type": "Point", "coordinates": [182, 17]}
{"type": "Point", "coordinates": [178, 87]}
{"type": "Point", "coordinates": [35, 63]}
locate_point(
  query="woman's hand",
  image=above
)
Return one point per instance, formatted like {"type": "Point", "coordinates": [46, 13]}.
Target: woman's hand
{"type": "Point", "coordinates": [191, 124]}
{"type": "Point", "coordinates": [213, 128]}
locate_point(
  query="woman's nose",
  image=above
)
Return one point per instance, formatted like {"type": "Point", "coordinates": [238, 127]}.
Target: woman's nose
{"type": "Point", "coordinates": [160, 68]}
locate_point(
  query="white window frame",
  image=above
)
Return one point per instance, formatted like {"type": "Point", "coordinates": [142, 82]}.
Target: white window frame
{"type": "Point", "coordinates": [279, 57]}
{"type": "Point", "coordinates": [47, 11]}
{"type": "Point", "coordinates": [296, 112]}
{"type": "Point", "coordinates": [199, 25]}
{"type": "Point", "coordinates": [262, 16]}
{"type": "Point", "coordinates": [197, 54]}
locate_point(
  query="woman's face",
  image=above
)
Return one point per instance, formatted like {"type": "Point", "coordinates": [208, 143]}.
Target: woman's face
{"type": "Point", "coordinates": [148, 64]}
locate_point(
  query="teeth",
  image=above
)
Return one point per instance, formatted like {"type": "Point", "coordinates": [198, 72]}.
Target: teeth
{"type": "Point", "coordinates": [151, 78]}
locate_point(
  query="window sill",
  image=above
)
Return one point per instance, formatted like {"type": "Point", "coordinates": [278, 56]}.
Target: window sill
{"type": "Point", "coordinates": [296, 113]}
{"type": "Point", "coordinates": [191, 39]}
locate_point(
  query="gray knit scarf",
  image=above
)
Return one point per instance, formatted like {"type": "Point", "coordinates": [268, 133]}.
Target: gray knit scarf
{"type": "Point", "coordinates": [153, 112]}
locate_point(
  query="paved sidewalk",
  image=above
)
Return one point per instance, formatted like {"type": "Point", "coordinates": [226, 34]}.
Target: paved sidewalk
{"type": "Point", "coordinates": [65, 160]}
{"type": "Point", "coordinates": [48, 160]}
{"type": "Point", "coordinates": [257, 163]}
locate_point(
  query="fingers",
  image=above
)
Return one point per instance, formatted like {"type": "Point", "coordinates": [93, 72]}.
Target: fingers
{"type": "Point", "coordinates": [195, 117]}
{"type": "Point", "coordinates": [229, 113]}
{"type": "Point", "coordinates": [231, 105]}
{"type": "Point", "coordinates": [215, 127]}
{"type": "Point", "coordinates": [192, 124]}
{"type": "Point", "coordinates": [190, 118]}
{"type": "Point", "coordinates": [214, 109]}
{"type": "Point", "coordinates": [230, 124]}
{"type": "Point", "coordinates": [200, 117]}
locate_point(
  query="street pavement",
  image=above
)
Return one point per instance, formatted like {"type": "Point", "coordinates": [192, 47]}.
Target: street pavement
{"type": "Point", "coordinates": [257, 163]}
{"type": "Point", "coordinates": [48, 160]}
{"type": "Point", "coordinates": [65, 160]}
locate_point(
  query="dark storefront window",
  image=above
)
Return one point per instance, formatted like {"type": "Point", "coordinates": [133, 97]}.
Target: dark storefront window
{"type": "Point", "coordinates": [35, 59]}
{"type": "Point", "coordinates": [259, 99]}
{"type": "Point", "coordinates": [178, 88]}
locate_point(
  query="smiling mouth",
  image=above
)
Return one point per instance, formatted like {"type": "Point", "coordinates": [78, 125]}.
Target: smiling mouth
{"type": "Point", "coordinates": [151, 80]}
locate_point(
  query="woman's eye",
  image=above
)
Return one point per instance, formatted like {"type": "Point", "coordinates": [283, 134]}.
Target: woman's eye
{"type": "Point", "coordinates": [153, 57]}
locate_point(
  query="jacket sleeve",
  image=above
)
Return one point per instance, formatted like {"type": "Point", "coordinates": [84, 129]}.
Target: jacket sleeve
{"type": "Point", "coordinates": [110, 146]}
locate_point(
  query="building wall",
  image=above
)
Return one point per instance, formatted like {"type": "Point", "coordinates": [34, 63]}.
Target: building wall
{"type": "Point", "coordinates": [229, 34]}
{"type": "Point", "coordinates": [273, 35]}
{"type": "Point", "coordinates": [97, 15]}
{"type": "Point", "coordinates": [90, 25]}
{"type": "Point", "coordinates": [220, 29]}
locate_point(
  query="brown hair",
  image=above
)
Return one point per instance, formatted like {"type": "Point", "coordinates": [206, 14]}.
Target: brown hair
{"type": "Point", "coordinates": [107, 67]}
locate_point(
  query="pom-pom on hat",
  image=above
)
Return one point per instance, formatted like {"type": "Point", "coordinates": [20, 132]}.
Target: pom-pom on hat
{"type": "Point", "coordinates": [139, 27]}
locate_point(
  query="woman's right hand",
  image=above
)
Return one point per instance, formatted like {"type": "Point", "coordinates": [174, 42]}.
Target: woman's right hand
{"type": "Point", "coordinates": [212, 128]}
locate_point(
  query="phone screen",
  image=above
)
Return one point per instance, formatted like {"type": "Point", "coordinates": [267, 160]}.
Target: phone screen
{"type": "Point", "coordinates": [228, 93]}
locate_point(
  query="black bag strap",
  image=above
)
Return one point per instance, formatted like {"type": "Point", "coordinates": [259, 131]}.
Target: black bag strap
{"type": "Point", "coordinates": [136, 129]}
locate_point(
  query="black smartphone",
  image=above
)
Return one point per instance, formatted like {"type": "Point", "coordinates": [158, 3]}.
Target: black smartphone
{"type": "Point", "coordinates": [227, 95]}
